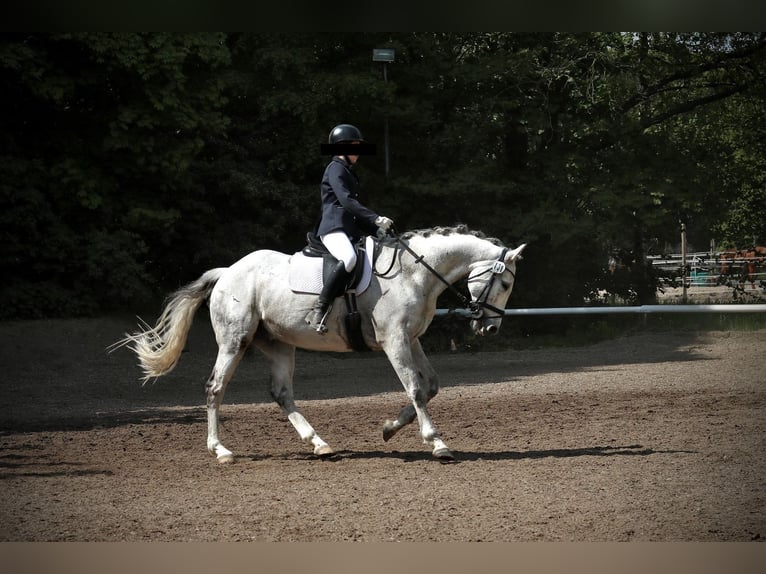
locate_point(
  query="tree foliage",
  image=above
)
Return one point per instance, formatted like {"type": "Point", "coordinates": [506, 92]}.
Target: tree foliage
{"type": "Point", "coordinates": [132, 162]}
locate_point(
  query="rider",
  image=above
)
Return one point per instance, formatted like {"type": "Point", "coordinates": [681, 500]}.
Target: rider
{"type": "Point", "coordinates": [344, 221]}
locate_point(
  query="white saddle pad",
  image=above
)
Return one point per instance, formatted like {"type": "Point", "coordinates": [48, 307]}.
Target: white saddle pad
{"type": "Point", "coordinates": [305, 275]}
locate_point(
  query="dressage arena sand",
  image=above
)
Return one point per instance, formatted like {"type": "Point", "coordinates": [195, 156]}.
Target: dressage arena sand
{"type": "Point", "coordinates": [655, 436]}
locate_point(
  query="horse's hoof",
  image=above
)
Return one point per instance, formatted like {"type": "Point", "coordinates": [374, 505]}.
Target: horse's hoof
{"type": "Point", "coordinates": [388, 430]}
{"type": "Point", "coordinates": [324, 451]}
{"type": "Point", "coordinates": [226, 459]}
{"type": "Point", "coordinates": [444, 454]}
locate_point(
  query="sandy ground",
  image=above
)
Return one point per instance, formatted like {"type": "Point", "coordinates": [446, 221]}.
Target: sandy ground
{"type": "Point", "coordinates": [656, 436]}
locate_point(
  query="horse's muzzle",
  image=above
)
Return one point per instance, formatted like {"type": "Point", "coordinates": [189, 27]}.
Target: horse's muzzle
{"type": "Point", "coordinates": [483, 327]}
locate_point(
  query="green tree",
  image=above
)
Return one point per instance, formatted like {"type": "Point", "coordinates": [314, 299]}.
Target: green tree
{"type": "Point", "coordinates": [132, 162]}
{"type": "Point", "coordinates": [99, 131]}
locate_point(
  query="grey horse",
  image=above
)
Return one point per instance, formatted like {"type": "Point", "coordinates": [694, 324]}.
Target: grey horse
{"type": "Point", "coordinates": [251, 303]}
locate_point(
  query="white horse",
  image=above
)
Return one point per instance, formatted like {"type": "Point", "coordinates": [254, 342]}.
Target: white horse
{"type": "Point", "coordinates": [251, 303]}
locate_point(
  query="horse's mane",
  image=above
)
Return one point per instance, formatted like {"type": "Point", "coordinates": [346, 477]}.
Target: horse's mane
{"type": "Point", "coordinates": [459, 229]}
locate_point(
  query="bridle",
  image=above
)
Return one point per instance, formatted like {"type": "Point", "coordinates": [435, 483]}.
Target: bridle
{"type": "Point", "coordinates": [477, 306]}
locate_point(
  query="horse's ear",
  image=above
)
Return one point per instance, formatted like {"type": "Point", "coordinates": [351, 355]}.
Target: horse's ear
{"type": "Point", "coordinates": [514, 254]}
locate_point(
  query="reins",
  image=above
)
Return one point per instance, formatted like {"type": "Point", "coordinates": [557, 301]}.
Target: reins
{"type": "Point", "coordinates": [475, 307]}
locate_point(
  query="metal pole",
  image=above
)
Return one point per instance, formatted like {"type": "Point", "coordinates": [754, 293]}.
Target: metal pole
{"type": "Point", "coordinates": [385, 133]}
{"type": "Point", "coordinates": [683, 261]}
{"type": "Point", "coordinates": [640, 309]}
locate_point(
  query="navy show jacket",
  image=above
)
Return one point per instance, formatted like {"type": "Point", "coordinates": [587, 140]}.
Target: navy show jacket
{"type": "Point", "coordinates": [341, 208]}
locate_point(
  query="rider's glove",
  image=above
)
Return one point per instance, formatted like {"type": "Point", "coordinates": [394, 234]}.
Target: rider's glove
{"type": "Point", "coordinates": [384, 223]}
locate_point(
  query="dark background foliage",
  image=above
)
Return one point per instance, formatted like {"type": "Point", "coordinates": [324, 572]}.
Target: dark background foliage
{"type": "Point", "coordinates": [132, 162]}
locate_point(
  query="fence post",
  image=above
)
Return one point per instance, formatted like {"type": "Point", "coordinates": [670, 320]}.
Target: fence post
{"type": "Point", "coordinates": [683, 261]}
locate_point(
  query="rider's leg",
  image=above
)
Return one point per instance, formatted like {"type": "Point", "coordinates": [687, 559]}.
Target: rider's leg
{"type": "Point", "coordinates": [335, 283]}
{"type": "Point", "coordinates": [339, 245]}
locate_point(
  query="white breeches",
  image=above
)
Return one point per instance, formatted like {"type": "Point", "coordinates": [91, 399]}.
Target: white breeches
{"type": "Point", "coordinates": [340, 246]}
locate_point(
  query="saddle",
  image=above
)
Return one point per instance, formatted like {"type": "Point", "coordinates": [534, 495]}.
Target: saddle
{"type": "Point", "coordinates": [315, 248]}
{"type": "Point", "coordinates": [309, 267]}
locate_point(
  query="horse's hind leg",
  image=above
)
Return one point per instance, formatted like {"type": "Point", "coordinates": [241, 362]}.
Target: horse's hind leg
{"type": "Point", "coordinates": [233, 332]}
{"type": "Point", "coordinates": [229, 356]}
{"type": "Point", "coordinates": [281, 357]}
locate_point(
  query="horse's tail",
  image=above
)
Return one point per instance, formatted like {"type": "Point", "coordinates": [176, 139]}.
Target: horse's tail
{"type": "Point", "coordinates": [159, 348]}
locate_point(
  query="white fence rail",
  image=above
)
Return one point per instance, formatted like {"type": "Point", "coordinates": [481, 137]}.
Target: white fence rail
{"type": "Point", "coordinates": [639, 309]}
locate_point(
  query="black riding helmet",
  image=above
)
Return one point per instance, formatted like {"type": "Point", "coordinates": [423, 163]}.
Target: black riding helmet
{"type": "Point", "coordinates": [344, 133]}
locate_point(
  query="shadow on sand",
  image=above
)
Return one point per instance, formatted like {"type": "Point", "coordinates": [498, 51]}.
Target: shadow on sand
{"type": "Point", "coordinates": [477, 456]}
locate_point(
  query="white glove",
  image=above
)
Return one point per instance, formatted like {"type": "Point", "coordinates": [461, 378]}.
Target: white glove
{"type": "Point", "coordinates": [384, 223]}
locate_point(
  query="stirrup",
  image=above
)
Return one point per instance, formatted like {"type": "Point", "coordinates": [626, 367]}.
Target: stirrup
{"type": "Point", "coordinates": [317, 319]}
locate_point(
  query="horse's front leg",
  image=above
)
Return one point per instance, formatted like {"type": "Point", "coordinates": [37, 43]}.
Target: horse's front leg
{"type": "Point", "coordinates": [281, 357]}
{"type": "Point", "coordinates": [421, 384]}
{"type": "Point", "coordinates": [408, 414]}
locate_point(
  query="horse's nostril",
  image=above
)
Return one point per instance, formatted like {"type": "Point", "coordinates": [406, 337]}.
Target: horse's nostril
{"type": "Point", "coordinates": [491, 329]}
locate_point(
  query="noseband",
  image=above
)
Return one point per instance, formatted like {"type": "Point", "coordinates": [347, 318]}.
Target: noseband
{"type": "Point", "coordinates": [475, 306]}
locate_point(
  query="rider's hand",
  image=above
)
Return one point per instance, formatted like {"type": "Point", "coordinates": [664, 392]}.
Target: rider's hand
{"type": "Point", "coordinates": [384, 223]}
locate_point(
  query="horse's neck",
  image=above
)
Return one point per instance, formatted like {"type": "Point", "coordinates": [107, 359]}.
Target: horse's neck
{"type": "Point", "coordinates": [450, 255]}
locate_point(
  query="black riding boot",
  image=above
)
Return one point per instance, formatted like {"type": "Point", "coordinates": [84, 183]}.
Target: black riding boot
{"type": "Point", "coordinates": [334, 286]}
